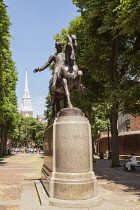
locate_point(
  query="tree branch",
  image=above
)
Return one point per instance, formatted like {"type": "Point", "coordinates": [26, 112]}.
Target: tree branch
{"type": "Point", "coordinates": [116, 51]}
{"type": "Point", "coordinates": [136, 47]}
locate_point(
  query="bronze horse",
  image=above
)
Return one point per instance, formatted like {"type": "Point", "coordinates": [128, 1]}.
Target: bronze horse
{"type": "Point", "coordinates": [68, 77]}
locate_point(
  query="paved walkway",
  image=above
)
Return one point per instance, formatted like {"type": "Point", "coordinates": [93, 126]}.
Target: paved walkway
{"type": "Point", "coordinates": [18, 173]}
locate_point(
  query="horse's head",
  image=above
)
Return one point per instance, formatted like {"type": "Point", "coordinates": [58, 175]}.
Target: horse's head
{"type": "Point", "coordinates": [71, 49]}
{"type": "Point", "coordinates": [74, 41]}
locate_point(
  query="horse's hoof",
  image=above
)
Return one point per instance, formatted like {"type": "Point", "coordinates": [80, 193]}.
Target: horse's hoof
{"type": "Point", "coordinates": [70, 106]}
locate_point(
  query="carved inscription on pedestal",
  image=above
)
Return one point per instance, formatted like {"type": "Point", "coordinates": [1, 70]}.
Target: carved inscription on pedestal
{"type": "Point", "coordinates": [76, 137]}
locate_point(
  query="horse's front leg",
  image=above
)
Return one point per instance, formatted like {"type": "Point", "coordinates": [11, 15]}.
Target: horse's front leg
{"type": "Point", "coordinates": [78, 85]}
{"type": "Point", "coordinates": [64, 81]}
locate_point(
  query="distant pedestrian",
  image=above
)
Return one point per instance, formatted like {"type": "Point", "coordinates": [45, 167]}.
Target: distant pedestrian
{"type": "Point", "coordinates": [132, 163]}
{"type": "Point", "coordinates": [31, 150]}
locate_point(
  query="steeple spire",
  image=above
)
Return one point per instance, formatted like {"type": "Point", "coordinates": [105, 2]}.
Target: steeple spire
{"type": "Point", "coordinates": [26, 81]}
{"type": "Point", "coordinates": [26, 108]}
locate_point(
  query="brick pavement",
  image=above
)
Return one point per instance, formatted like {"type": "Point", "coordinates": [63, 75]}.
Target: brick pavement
{"type": "Point", "coordinates": [18, 173]}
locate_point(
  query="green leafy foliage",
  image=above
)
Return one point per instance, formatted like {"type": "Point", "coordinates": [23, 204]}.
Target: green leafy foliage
{"type": "Point", "coordinates": [108, 54]}
{"type": "Point", "coordinates": [48, 111]}
{"type": "Point", "coordinates": [27, 131]}
{"type": "Point", "coordinates": [8, 79]}
{"type": "Point", "coordinates": [111, 54]}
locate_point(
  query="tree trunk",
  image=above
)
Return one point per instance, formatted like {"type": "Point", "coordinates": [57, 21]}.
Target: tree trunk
{"type": "Point", "coordinates": [114, 132]}
{"type": "Point", "coordinates": [5, 141]}
{"type": "Point", "coordinates": [2, 139]}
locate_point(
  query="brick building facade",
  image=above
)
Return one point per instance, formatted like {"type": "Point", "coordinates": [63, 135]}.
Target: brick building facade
{"type": "Point", "coordinates": [27, 113]}
{"type": "Point", "coordinates": [128, 142]}
{"type": "Point", "coordinates": [128, 123]}
{"type": "Point", "coordinates": [42, 119]}
{"type": "Point", "coordinates": [129, 136]}
{"type": "Point", "coordinates": [134, 123]}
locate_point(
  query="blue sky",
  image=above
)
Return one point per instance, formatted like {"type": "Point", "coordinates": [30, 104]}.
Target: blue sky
{"type": "Point", "coordinates": [34, 24]}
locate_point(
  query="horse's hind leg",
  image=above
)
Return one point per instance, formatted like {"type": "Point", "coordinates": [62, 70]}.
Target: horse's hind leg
{"type": "Point", "coordinates": [65, 101]}
{"type": "Point", "coordinates": [79, 77]}
{"type": "Point", "coordinates": [69, 105]}
{"type": "Point", "coordinates": [57, 105]}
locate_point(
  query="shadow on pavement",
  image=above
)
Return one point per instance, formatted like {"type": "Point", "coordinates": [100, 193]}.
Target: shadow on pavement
{"type": "Point", "coordinates": [2, 162]}
{"type": "Point", "coordinates": [116, 179]}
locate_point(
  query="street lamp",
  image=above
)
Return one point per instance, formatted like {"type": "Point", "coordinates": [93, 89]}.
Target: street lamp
{"type": "Point", "coordinates": [108, 123]}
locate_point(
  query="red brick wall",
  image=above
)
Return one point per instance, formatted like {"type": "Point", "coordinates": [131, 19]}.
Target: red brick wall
{"type": "Point", "coordinates": [40, 118]}
{"type": "Point", "coordinates": [134, 123]}
{"type": "Point", "coordinates": [127, 144]}
{"type": "Point", "coordinates": [29, 113]}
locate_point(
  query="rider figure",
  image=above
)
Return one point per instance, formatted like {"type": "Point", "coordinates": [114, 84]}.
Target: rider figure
{"type": "Point", "coordinates": [59, 59]}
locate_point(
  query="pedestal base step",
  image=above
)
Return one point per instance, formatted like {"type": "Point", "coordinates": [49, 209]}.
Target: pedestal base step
{"type": "Point", "coordinates": [45, 200]}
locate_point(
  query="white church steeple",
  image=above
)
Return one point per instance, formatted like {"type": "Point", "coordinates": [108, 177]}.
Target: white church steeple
{"type": "Point", "coordinates": [26, 108]}
{"type": "Point", "coordinates": [26, 82]}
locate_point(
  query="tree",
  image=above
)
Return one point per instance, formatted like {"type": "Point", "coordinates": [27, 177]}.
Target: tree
{"type": "Point", "coordinates": [92, 98]}
{"type": "Point", "coordinates": [108, 55]}
{"type": "Point", "coordinates": [15, 134]}
{"type": "Point", "coordinates": [27, 131]}
{"type": "Point", "coordinates": [85, 99]}
{"type": "Point", "coordinates": [8, 79]}
{"type": "Point", "coordinates": [111, 54]}
{"type": "Point", "coordinates": [48, 112]}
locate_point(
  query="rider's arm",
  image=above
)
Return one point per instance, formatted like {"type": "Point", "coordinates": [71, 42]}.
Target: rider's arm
{"type": "Point", "coordinates": [50, 60]}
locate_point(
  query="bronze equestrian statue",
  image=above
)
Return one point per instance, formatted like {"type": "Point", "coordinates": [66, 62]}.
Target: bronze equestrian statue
{"type": "Point", "coordinates": [66, 74]}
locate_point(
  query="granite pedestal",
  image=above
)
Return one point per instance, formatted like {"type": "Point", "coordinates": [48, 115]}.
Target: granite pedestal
{"type": "Point", "coordinates": [67, 173]}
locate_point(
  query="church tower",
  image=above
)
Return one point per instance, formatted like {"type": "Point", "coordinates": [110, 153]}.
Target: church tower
{"type": "Point", "coordinates": [26, 107]}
